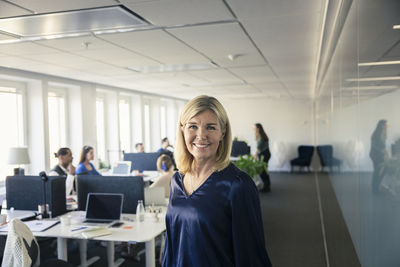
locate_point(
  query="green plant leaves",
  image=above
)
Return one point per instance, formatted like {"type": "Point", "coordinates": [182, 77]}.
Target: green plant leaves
{"type": "Point", "coordinates": [251, 166]}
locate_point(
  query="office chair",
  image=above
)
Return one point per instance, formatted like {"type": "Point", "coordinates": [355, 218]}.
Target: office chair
{"type": "Point", "coordinates": [22, 248]}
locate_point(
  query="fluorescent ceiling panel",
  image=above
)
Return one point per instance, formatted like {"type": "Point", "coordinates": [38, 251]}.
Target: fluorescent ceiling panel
{"type": "Point", "coordinates": [388, 87]}
{"type": "Point", "coordinates": [107, 18]}
{"type": "Point", "coordinates": [379, 63]}
{"type": "Point", "coordinates": [173, 68]}
{"type": "Point", "coordinates": [396, 27]}
{"type": "Point", "coordinates": [371, 79]}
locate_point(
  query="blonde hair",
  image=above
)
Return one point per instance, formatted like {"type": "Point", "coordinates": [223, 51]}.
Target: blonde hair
{"type": "Point", "coordinates": [166, 160]}
{"type": "Point", "coordinates": [183, 159]}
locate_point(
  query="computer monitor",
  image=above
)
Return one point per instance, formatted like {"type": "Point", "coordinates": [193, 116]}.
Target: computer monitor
{"type": "Point", "coordinates": [142, 161]}
{"type": "Point", "coordinates": [121, 168]}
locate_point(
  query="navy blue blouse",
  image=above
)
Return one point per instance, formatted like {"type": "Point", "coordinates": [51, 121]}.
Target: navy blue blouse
{"type": "Point", "coordinates": [219, 224]}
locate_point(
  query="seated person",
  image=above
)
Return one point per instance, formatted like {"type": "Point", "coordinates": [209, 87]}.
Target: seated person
{"type": "Point", "coordinates": [166, 147]}
{"type": "Point", "coordinates": [85, 166]}
{"type": "Point", "coordinates": [166, 167]}
{"type": "Point", "coordinates": [65, 168]}
{"type": "Point", "coordinates": [139, 148]}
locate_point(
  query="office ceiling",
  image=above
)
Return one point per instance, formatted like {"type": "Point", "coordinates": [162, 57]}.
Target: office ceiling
{"type": "Point", "coordinates": [229, 48]}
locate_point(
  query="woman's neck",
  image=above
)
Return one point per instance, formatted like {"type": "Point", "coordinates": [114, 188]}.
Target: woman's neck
{"type": "Point", "coordinates": [203, 168]}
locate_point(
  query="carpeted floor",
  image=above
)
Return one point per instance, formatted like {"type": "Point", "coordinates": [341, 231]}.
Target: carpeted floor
{"type": "Point", "coordinates": [292, 223]}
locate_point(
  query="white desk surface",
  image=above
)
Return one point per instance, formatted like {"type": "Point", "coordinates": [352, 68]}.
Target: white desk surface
{"type": "Point", "coordinates": [140, 232]}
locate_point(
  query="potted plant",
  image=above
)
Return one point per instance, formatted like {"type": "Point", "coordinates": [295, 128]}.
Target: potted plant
{"type": "Point", "coordinates": [253, 168]}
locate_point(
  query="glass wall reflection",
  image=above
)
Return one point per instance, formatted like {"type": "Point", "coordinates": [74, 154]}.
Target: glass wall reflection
{"type": "Point", "coordinates": [358, 114]}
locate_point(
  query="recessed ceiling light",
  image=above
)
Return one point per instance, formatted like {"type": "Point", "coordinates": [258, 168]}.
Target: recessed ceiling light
{"type": "Point", "coordinates": [75, 21]}
{"type": "Point", "coordinates": [173, 68]}
{"type": "Point", "coordinates": [370, 79]}
{"type": "Point", "coordinates": [379, 63]}
{"type": "Point", "coordinates": [387, 87]}
{"type": "Point", "coordinates": [396, 27]}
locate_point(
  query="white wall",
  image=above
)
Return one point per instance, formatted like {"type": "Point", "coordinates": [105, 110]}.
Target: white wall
{"type": "Point", "coordinates": [288, 123]}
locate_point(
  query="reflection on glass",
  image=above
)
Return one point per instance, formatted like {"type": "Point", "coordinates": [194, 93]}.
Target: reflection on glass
{"type": "Point", "coordinates": [360, 104]}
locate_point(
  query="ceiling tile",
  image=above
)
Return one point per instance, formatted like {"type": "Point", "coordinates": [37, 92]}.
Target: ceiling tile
{"type": "Point", "coordinates": [219, 41]}
{"type": "Point", "coordinates": [274, 8]}
{"type": "Point", "coordinates": [172, 51]}
{"type": "Point", "coordinates": [118, 56]}
{"type": "Point", "coordinates": [77, 44]}
{"type": "Point", "coordinates": [180, 12]}
{"type": "Point", "coordinates": [255, 74]}
{"type": "Point", "coordinates": [16, 62]}
{"type": "Point", "coordinates": [25, 48]}
{"type": "Point", "coordinates": [217, 76]}
{"type": "Point", "coordinates": [9, 10]}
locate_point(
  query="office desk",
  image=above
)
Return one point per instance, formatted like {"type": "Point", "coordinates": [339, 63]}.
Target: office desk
{"type": "Point", "coordinates": [145, 232]}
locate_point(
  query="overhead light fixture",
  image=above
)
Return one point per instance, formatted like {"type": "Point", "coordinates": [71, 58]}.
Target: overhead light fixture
{"type": "Point", "coordinates": [174, 68]}
{"type": "Point", "coordinates": [384, 87]}
{"type": "Point", "coordinates": [379, 63]}
{"type": "Point", "coordinates": [371, 79]}
{"type": "Point", "coordinates": [396, 27]}
{"type": "Point", "coordinates": [72, 22]}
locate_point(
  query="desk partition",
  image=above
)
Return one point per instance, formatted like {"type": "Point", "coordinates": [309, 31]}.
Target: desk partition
{"type": "Point", "coordinates": [132, 187]}
{"type": "Point", "coordinates": [142, 161]}
{"type": "Point", "coordinates": [26, 193]}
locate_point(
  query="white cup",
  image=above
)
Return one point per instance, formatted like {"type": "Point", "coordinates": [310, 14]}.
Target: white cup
{"type": "Point", "coordinates": [3, 218]}
{"type": "Point", "coordinates": [65, 220]}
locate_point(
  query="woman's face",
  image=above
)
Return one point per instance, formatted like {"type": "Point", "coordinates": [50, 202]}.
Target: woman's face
{"type": "Point", "coordinates": [90, 155]}
{"type": "Point", "coordinates": [256, 130]}
{"type": "Point", "coordinates": [202, 135]}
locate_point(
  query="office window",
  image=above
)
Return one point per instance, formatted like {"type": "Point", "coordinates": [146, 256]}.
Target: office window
{"type": "Point", "coordinates": [124, 125]}
{"type": "Point", "coordinates": [163, 121]}
{"type": "Point", "coordinates": [12, 122]}
{"type": "Point", "coordinates": [100, 129]}
{"type": "Point", "coordinates": [147, 128]}
{"type": "Point", "coordinates": [57, 124]}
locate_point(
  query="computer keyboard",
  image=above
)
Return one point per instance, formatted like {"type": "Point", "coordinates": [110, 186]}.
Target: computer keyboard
{"type": "Point", "coordinates": [97, 221]}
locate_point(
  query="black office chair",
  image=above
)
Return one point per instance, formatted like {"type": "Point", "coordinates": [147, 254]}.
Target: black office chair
{"type": "Point", "coordinates": [325, 153]}
{"type": "Point", "coordinates": [304, 158]}
{"type": "Point", "coordinates": [239, 148]}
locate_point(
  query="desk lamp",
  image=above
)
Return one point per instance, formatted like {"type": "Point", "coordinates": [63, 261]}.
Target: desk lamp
{"type": "Point", "coordinates": [18, 156]}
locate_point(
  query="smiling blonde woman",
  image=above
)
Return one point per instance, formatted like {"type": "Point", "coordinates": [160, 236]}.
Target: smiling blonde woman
{"type": "Point", "coordinates": [214, 216]}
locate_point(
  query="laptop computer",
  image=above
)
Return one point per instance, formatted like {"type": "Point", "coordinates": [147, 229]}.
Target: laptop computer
{"type": "Point", "coordinates": [121, 168]}
{"type": "Point", "coordinates": [154, 195]}
{"type": "Point", "coordinates": [103, 207]}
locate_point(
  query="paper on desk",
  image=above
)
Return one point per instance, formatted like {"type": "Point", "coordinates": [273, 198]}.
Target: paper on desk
{"type": "Point", "coordinates": [34, 226]}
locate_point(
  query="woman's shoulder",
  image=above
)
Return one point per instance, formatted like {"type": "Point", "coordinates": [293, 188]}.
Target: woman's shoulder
{"type": "Point", "coordinates": [236, 175]}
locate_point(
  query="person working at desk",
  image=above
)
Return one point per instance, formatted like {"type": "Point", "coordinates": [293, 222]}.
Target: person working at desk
{"type": "Point", "coordinates": [214, 216]}
{"type": "Point", "coordinates": [65, 168]}
{"type": "Point", "coordinates": [166, 167]}
{"type": "Point", "coordinates": [85, 166]}
{"type": "Point", "coordinates": [139, 148]}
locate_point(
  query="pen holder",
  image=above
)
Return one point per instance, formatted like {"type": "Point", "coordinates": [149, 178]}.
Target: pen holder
{"type": "Point", "coordinates": [44, 210]}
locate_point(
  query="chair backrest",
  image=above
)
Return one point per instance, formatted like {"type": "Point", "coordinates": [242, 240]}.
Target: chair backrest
{"type": "Point", "coordinates": [132, 187]}
{"type": "Point", "coordinates": [21, 247]}
{"type": "Point", "coordinates": [306, 153]}
{"type": "Point", "coordinates": [239, 148]}
{"type": "Point", "coordinates": [26, 193]}
{"type": "Point", "coordinates": [142, 161]}
{"type": "Point", "coordinates": [325, 153]}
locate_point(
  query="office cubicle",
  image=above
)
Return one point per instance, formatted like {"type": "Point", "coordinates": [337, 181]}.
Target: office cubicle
{"type": "Point", "coordinates": [26, 193]}
{"type": "Point", "coordinates": [142, 161]}
{"type": "Point", "coordinates": [132, 187]}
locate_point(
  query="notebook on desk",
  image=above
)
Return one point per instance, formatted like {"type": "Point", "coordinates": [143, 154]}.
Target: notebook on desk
{"type": "Point", "coordinates": [103, 208]}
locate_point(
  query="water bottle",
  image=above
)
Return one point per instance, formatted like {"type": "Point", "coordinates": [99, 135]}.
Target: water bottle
{"type": "Point", "coordinates": [140, 211]}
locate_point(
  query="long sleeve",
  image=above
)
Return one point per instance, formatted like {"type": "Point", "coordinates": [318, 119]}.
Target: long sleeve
{"type": "Point", "coordinates": [247, 228]}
